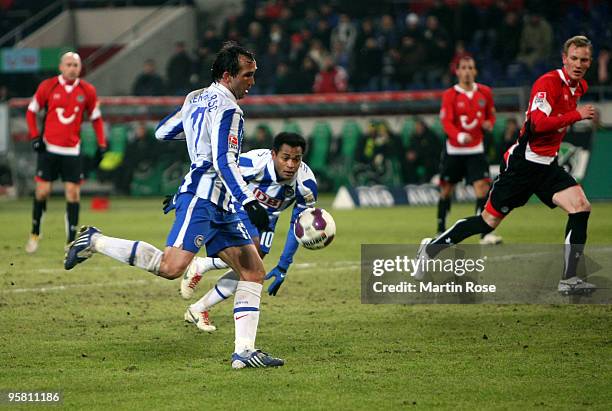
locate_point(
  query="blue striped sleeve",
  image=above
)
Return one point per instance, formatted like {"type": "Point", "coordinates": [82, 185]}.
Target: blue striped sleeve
{"type": "Point", "coordinates": [171, 127]}
{"type": "Point", "coordinates": [226, 147]}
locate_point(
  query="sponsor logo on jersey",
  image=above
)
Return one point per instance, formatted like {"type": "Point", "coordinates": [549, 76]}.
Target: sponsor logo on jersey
{"type": "Point", "coordinates": [66, 120]}
{"type": "Point", "coordinates": [540, 97]}
{"type": "Point", "coordinates": [232, 141]}
{"type": "Point", "coordinates": [263, 198]}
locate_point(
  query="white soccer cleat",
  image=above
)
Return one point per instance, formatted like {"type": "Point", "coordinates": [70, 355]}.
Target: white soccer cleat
{"type": "Point", "coordinates": [422, 258]}
{"type": "Point", "coordinates": [189, 282]}
{"type": "Point", "coordinates": [32, 245]}
{"type": "Point", "coordinates": [201, 320]}
{"type": "Point", "coordinates": [575, 285]}
{"type": "Point", "coordinates": [491, 239]}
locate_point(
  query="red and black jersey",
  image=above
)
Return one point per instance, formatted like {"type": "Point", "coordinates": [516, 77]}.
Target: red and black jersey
{"type": "Point", "coordinates": [65, 106]}
{"type": "Point", "coordinates": [464, 112]}
{"type": "Point", "coordinates": [552, 109]}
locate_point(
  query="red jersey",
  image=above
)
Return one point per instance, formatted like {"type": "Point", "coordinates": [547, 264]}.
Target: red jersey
{"type": "Point", "coordinates": [463, 112]}
{"type": "Point", "coordinates": [552, 109]}
{"type": "Point", "coordinates": [65, 105]}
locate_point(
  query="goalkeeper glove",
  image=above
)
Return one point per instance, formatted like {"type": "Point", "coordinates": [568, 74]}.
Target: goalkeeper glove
{"type": "Point", "coordinates": [279, 274]}
{"type": "Point", "coordinates": [38, 144]}
{"type": "Point", "coordinates": [169, 204]}
{"type": "Point", "coordinates": [258, 215]}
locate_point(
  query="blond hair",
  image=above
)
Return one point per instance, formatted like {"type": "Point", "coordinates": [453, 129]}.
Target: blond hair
{"type": "Point", "coordinates": [577, 41]}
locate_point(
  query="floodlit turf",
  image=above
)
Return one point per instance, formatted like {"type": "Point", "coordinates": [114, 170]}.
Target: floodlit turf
{"type": "Point", "coordinates": [112, 337]}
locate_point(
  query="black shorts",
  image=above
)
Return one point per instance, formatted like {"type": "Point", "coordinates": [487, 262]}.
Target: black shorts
{"type": "Point", "coordinates": [51, 166]}
{"type": "Point", "coordinates": [472, 167]}
{"type": "Point", "coordinates": [520, 179]}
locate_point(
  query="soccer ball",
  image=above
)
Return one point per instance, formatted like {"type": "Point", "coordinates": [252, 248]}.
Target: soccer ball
{"type": "Point", "coordinates": [314, 228]}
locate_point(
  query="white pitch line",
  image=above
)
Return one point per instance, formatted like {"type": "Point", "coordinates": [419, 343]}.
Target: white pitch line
{"type": "Point", "coordinates": [70, 286]}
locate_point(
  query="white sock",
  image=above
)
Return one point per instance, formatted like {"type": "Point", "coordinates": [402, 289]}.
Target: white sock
{"type": "Point", "coordinates": [246, 315]}
{"type": "Point", "coordinates": [225, 287]}
{"type": "Point", "coordinates": [204, 264]}
{"type": "Point", "coordinates": [137, 253]}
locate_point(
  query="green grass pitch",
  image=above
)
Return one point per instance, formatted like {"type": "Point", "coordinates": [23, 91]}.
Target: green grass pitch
{"type": "Point", "coordinates": [111, 336]}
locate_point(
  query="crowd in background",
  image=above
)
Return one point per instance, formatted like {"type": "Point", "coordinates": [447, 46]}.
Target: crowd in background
{"type": "Point", "coordinates": [337, 46]}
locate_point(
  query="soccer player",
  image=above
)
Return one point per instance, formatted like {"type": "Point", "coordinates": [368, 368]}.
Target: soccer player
{"type": "Point", "coordinates": [467, 111]}
{"type": "Point", "coordinates": [212, 123]}
{"type": "Point", "coordinates": [530, 166]}
{"type": "Point", "coordinates": [277, 178]}
{"type": "Point", "coordinates": [65, 99]}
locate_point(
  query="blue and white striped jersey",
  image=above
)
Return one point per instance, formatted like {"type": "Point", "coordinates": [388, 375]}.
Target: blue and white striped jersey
{"type": "Point", "coordinates": [257, 168]}
{"type": "Point", "coordinates": [212, 123]}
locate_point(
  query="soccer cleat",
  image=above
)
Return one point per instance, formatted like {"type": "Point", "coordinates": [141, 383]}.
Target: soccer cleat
{"type": "Point", "coordinates": [422, 258]}
{"type": "Point", "coordinates": [200, 320]}
{"type": "Point", "coordinates": [255, 359]}
{"type": "Point", "coordinates": [80, 249]}
{"type": "Point", "coordinates": [32, 244]}
{"type": "Point", "coordinates": [189, 282]}
{"type": "Point", "coordinates": [491, 239]}
{"type": "Point", "coordinates": [575, 285]}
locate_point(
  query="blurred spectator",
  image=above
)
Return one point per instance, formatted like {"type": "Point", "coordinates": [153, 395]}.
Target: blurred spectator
{"type": "Point", "coordinates": [262, 138]}
{"type": "Point", "coordinates": [368, 66]}
{"type": "Point", "coordinates": [439, 51]}
{"type": "Point", "coordinates": [142, 152]}
{"type": "Point", "coordinates": [148, 83]}
{"type": "Point", "coordinates": [211, 40]}
{"type": "Point", "coordinates": [387, 34]}
{"type": "Point", "coordinates": [332, 78]}
{"type": "Point", "coordinates": [179, 70]}
{"type": "Point", "coordinates": [486, 37]}
{"type": "Point", "coordinates": [317, 52]}
{"type": "Point", "coordinates": [376, 152]}
{"type": "Point", "coordinates": [413, 27]}
{"type": "Point", "coordinates": [536, 41]}
{"type": "Point", "coordinates": [4, 93]}
{"type": "Point", "coordinates": [508, 39]}
{"type": "Point", "coordinates": [466, 21]}
{"type": "Point", "coordinates": [284, 82]}
{"type": "Point", "coordinates": [411, 59]}
{"type": "Point", "coordinates": [256, 40]}
{"type": "Point", "coordinates": [266, 70]}
{"type": "Point", "coordinates": [422, 154]}
{"type": "Point", "coordinates": [443, 13]}
{"type": "Point", "coordinates": [203, 65]}
{"type": "Point", "coordinates": [345, 33]}
{"type": "Point", "coordinates": [304, 78]}
{"type": "Point", "coordinates": [323, 33]}
{"type": "Point", "coordinates": [365, 32]}
{"type": "Point", "coordinates": [277, 36]}
{"type": "Point", "coordinates": [297, 52]}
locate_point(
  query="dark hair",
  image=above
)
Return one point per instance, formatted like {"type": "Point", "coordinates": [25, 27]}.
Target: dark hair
{"type": "Point", "coordinates": [291, 139]}
{"type": "Point", "coordinates": [228, 59]}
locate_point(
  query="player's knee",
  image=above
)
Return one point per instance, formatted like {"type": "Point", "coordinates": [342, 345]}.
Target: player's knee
{"type": "Point", "coordinates": [583, 205]}
{"type": "Point", "coordinates": [171, 271]}
{"type": "Point", "coordinates": [255, 275]}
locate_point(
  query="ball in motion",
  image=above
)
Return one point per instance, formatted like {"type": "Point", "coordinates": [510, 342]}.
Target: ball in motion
{"type": "Point", "coordinates": [314, 228]}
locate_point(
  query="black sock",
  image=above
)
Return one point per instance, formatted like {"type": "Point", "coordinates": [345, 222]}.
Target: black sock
{"type": "Point", "coordinates": [575, 239]}
{"type": "Point", "coordinates": [72, 219]}
{"type": "Point", "coordinates": [480, 205]}
{"type": "Point", "coordinates": [464, 228]}
{"type": "Point", "coordinates": [444, 205]}
{"type": "Point", "coordinates": [39, 208]}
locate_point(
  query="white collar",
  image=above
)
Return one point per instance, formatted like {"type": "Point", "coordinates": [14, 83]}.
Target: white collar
{"type": "Point", "coordinates": [68, 87]}
{"type": "Point", "coordinates": [468, 93]}
{"type": "Point", "coordinates": [225, 91]}
{"type": "Point", "coordinates": [566, 81]}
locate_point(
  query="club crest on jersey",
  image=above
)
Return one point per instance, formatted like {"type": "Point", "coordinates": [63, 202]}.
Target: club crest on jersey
{"type": "Point", "coordinates": [540, 97]}
{"type": "Point", "coordinates": [232, 141]}
{"type": "Point", "coordinates": [289, 191]}
{"type": "Point", "coordinates": [80, 98]}
{"type": "Point", "coordinates": [481, 103]}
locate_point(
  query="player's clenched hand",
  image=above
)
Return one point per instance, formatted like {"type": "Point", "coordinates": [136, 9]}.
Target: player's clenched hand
{"type": "Point", "coordinates": [487, 125]}
{"type": "Point", "coordinates": [38, 144]}
{"type": "Point", "coordinates": [169, 204]}
{"type": "Point", "coordinates": [257, 214]}
{"type": "Point", "coordinates": [278, 273]}
{"type": "Point", "coordinates": [587, 111]}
